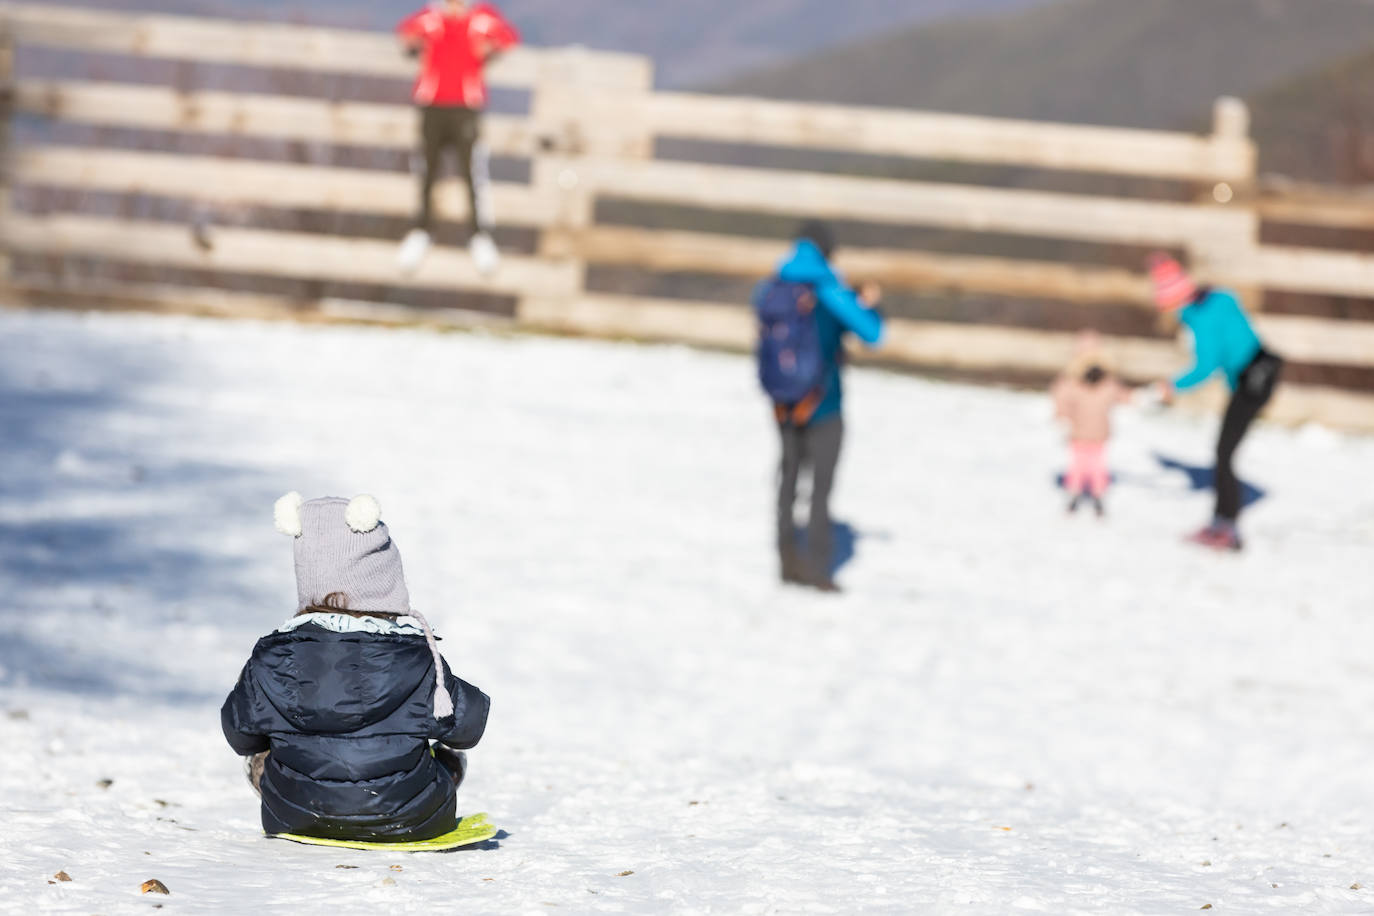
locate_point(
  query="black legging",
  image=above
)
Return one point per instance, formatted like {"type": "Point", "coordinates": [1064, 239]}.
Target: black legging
{"type": "Point", "coordinates": [442, 127]}
{"type": "Point", "coordinates": [1254, 390]}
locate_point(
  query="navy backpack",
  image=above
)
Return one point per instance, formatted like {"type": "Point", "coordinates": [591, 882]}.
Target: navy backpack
{"type": "Point", "coordinates": [791, 362]}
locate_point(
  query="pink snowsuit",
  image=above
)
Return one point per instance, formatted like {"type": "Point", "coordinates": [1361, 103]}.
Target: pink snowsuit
{"type": "Point", "coordinates": [1087, 410]}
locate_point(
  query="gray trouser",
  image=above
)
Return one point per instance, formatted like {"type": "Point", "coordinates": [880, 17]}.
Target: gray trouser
{"type": "Point", "coordinates": [816, 446]}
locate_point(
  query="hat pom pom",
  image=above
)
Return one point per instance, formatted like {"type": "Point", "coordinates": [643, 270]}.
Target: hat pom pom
{"type": "Point", "coordinates": [287, 513]}
{"type": "Point", "coordinates": [363, 513]}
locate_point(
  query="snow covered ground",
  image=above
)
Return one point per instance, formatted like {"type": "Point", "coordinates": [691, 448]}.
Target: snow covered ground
{"type": "Point", "coordinates": [1008, 709]}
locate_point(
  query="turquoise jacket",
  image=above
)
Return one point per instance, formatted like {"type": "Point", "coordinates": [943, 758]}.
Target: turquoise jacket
{"type": "Point", "coordinates": [842, 313]}
{"type": "Point", "coordinates": [1222, 339]}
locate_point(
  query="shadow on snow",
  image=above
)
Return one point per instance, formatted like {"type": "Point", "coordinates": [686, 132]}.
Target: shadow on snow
{"type": "Point", "coordinates": [96, 523]}
{"type": "Point", "coordinates": [1200, 479]}
{"type": "Point", "coordinates": [844, 540]}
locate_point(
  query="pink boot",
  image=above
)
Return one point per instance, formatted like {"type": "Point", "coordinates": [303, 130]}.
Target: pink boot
{"type": "Point", "coordinates": [1218, 536]}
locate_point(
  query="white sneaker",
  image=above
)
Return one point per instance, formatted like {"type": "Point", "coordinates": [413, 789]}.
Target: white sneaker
{"type": "Point", "coordinates": [485, 257]}
{"type": "Point", "coordinates": [413, 250]}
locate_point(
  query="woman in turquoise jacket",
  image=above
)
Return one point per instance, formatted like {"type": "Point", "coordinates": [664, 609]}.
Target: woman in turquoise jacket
{"type": "Point", "coordinates": [1223, 341]}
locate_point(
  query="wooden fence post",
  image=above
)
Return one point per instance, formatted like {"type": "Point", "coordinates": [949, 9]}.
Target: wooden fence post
{"type": "Point", "coordinates": [565, 134]}
{"type": "Point", "coordinates": [1219, 254]}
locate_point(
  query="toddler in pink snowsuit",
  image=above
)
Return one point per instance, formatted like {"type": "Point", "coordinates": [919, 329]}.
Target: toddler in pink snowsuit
{"type": "Point", "coordinates": [1084, 395]}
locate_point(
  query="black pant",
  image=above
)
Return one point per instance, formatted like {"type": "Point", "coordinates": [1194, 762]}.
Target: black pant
{"type": "Point", "coordinates": [1254, 390]}
{"type": "Point", "coordinates": [443, 127]}
{"type": "Point", "coordinates": [816, 446]}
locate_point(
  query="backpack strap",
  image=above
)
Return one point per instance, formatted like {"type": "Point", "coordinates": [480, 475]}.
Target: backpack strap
{"type": "Point", "coordinates": [800, 413]}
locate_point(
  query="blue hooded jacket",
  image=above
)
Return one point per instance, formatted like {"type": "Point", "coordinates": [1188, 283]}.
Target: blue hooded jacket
{"type": "Point", "coordinates": [1222, 339]}
{"type": "Point", "coordinates": [843, 313]}
{"type": "Point", "coordinates": [348, 717]}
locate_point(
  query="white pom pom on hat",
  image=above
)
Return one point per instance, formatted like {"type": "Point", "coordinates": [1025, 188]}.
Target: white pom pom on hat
{"type": "Point", "coordinates": [287, 513]}
{"type": "Point", "coordinates": [363, 513]}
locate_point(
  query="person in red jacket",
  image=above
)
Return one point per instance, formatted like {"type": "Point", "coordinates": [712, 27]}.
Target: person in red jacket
{"type": "Point", "coordinates": [454, 41]}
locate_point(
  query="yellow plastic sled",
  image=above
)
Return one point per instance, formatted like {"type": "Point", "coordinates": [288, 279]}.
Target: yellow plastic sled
{"type": "Point", "coordinates": [471, 829]}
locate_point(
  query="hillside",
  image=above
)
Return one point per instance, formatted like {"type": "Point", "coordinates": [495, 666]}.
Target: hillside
{"type": "Point", "coordinates": [1120, 62]}
{"type": "Point", "coordinates": [699, 42]}
{"type": "Point", "coordinates": [690, 42]}
{"type": "Point", "coordinates": [1320, 126]}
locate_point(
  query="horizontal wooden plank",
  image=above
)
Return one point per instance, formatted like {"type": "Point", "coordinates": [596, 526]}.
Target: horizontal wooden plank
{"type": "Point", "coordinates": [1312, 340]}
{"type": "Point", "coordinates": [1355, 213]}
{"type": "Point", "coordinates": [936, 345]}
{"type": "Point", "coordinates": [250, 115]}
{"type": "Point", "coordinates": [247, 182]}
{"type": "Point", "coordinates": [1283, 200]}
{"type": "Point", "coordinates": [65, 293]}
{"type": "Point", "coordinates": [980, 347]}
{"type": "Point", "coordinates": [1319, 341]}
{"type": "Point", "coordinates": [282, 254]}
{"type": "Point", "coordinates": [1295, 405]}
{"type": "Point", "coordinates": [296, 47]}
{"type": "Point", "coordinates": [952, 206]}
{"type": "Point", "coordinates": [703, 323]}
{"type": "Point", "coordinates": [736, 256]}
{"type": "Point", "coordinates": [1333, 407]}
{"type": "Point", "coordinates": [926, 345]}
{"type": "Point", "coordinates": [1302, 270]}
{"type": "Point", "coordinates": [896, 132]}
{"type": "Point", "coordinates": [198, 300]}
{"type": "Point", "coordinates": [1307, 340]}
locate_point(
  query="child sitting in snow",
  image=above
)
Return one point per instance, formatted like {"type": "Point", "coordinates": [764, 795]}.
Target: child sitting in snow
{"type": "Point", "coordinates": [1084, 395]}
{"type": "Point", "coordinates": [338, 707]}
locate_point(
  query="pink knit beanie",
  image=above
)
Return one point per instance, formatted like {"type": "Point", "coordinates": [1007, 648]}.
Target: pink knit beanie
{"type": "Point", "coordinates": [1173, 287]}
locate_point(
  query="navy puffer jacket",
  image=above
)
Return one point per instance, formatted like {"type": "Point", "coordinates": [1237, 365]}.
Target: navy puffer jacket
{"type": "Point", "coordinates": [348, 717]}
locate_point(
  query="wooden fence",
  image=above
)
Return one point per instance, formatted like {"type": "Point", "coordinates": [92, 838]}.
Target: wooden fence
{"type": "Point", "coordinates": [591, 136]}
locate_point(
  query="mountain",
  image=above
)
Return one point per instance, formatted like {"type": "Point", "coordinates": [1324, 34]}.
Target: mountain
{"type": "Point", "coordinates": [705, 40]}
{"type": "Point", "coordinates": [1320, 125]}
{"type": "Point", "coordinates": [691, 43]}
{"type": "Point", "coordinates": [1138, 63]}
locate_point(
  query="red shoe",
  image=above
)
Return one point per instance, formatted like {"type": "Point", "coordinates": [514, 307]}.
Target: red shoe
{"type": "Point", "coordinates": [1217, 538]}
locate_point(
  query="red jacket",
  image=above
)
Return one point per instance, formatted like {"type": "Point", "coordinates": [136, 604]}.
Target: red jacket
{"type": "Point", "coordinates": [453, 50]}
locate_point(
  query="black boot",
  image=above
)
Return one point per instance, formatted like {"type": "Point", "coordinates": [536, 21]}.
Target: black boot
{"type": "Point", "coordinates": [456, 762]}
{"type": "Point", "coordinates": [826, 585]}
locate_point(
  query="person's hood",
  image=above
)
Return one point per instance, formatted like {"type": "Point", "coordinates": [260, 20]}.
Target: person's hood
{"type": "Point", "coordinates": [330, 682]}
{"type": "Point", "coordinates": [806, 264]}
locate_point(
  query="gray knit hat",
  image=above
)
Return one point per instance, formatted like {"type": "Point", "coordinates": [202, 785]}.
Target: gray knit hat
{"type": "Point", "coordinates": [342, 545]}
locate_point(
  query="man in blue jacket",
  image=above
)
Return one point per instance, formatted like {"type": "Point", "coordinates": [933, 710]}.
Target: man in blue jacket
{"type": "Point", "coordinates": [813, 436]}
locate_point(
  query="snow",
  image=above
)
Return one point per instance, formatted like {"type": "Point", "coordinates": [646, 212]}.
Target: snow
{"type": "Point", "coordinates": [1008, 710]}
